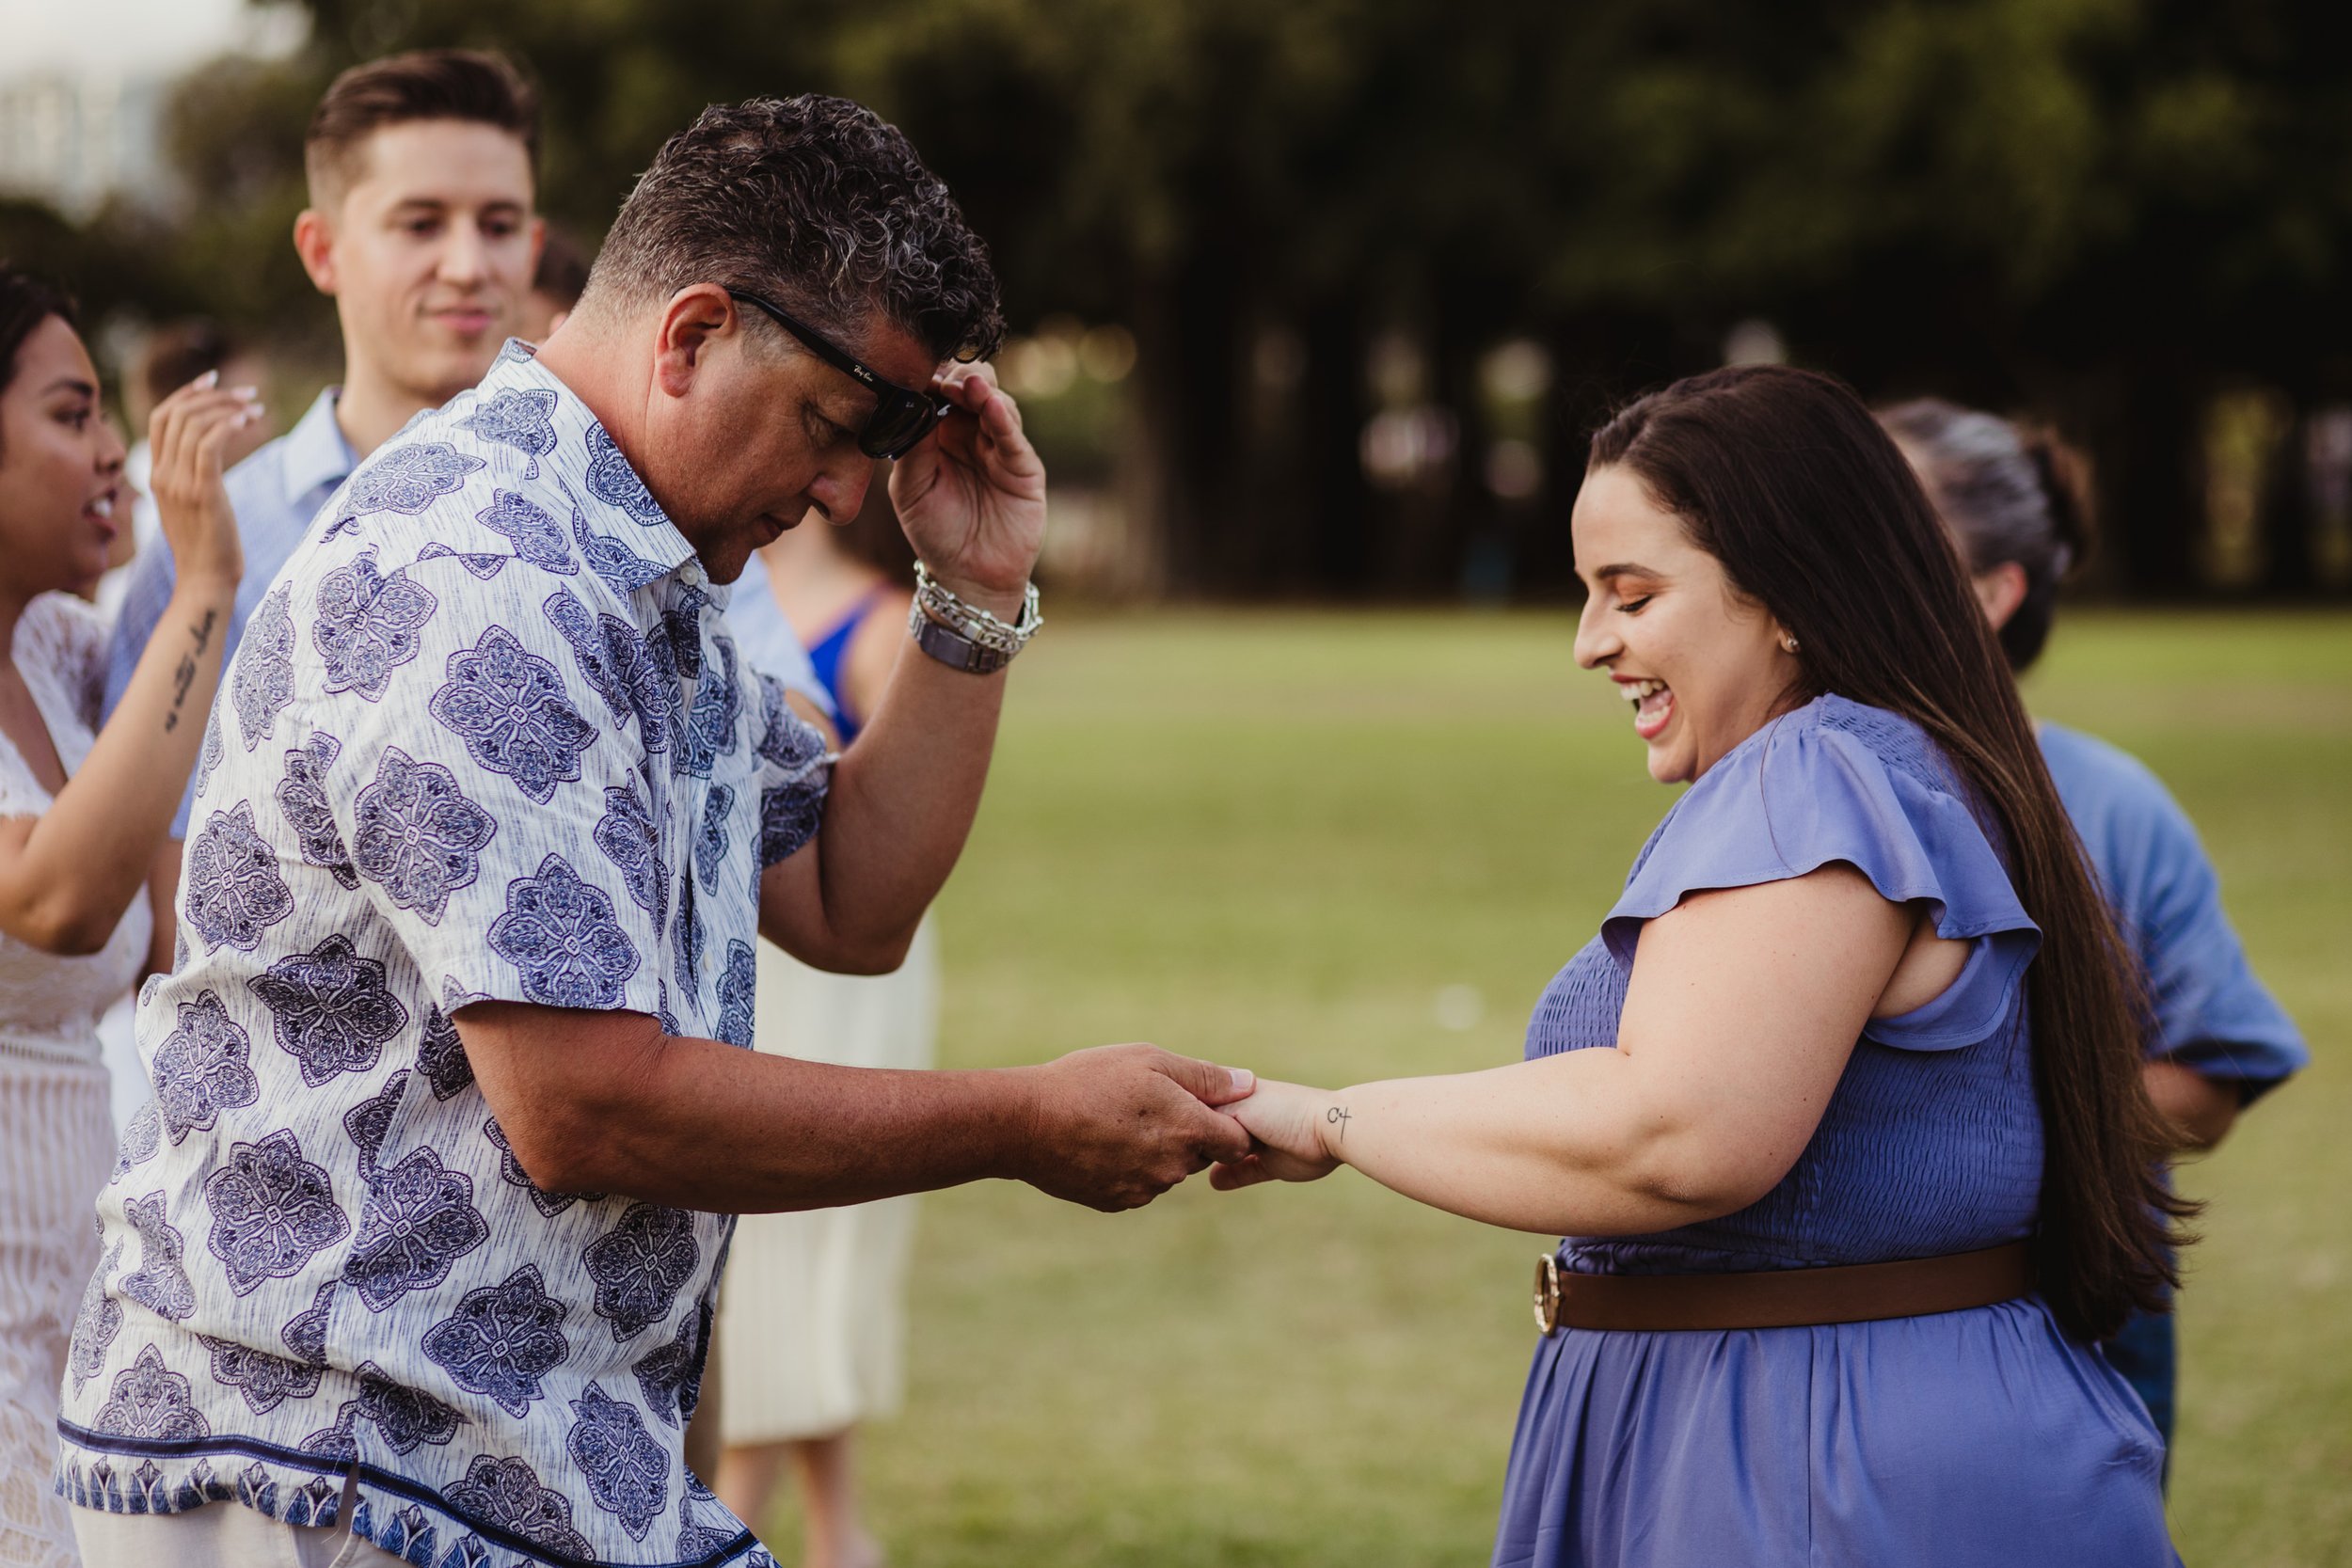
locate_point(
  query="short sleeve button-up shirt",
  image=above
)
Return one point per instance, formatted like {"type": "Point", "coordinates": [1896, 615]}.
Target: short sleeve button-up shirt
{"type": "Point", "coordinates": [485, 738]}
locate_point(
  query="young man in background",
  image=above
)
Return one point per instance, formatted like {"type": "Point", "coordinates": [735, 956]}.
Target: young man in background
{"type": "Point", "coordinates": [421, 228]}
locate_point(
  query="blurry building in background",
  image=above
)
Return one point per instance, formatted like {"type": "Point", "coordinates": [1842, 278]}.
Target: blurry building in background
{"type": "Point", "coordinates": [73, 142]}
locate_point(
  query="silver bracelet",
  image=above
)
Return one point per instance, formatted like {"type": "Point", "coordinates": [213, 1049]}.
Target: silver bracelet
{"type": "Point", "coordinates": [965, 636]}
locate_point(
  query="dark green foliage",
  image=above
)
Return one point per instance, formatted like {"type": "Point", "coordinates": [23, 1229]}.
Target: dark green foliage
{"type": "Point", "coordinates": [2100, 209]}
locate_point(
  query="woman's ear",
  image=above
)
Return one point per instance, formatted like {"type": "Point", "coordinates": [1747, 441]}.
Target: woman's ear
{"type": "Point", "coordinates": [2000, 591]}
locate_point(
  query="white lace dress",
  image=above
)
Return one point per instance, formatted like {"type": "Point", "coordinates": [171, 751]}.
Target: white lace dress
{"type": "Point", "coordinates": [57, 1132]}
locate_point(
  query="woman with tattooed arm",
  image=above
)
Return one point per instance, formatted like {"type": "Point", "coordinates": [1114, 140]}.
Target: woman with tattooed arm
{"type": "Point", "coordinates": [82, 817]}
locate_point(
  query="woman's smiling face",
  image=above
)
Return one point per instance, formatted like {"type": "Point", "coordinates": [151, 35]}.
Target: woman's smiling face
{"type": "Point", "coordinates": [60, 469]}
{"type": "Point", "coordinates": [1703, 665]}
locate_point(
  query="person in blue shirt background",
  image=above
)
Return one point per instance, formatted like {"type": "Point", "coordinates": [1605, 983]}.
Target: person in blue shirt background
{"type": "Point", "coordinates": [2218, 1040]}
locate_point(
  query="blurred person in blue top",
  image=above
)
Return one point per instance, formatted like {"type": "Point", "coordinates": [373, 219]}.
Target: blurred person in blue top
{"type": "Point", "coordinates": [421, 227]}
{"type": "Point", "coordinates": [852, 586]}
{"type": "Point", "coordinates": [173, 357]}
{"type": "Point", "coordinates": [1840, 1114]}
{"type": "Point", "coordinates": [2018, 505]}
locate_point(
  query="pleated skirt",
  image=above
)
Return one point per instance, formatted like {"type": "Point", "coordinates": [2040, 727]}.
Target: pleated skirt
{"type": "Point", "coordinates": [56, 1145]}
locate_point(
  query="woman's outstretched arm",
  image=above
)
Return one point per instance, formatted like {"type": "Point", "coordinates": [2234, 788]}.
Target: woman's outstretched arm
{"type": "Point", "coordinates": [1742, 1009]}
{"type": "Point", "coordinates": [67, 875]}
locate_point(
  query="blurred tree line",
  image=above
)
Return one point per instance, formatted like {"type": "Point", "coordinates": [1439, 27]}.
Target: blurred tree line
{"type": "Point", "coordinates": [1386, 262]}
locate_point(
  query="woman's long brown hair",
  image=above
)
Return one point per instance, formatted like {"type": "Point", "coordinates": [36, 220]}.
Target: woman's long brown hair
{"type": "Point", "coordinates": [1784, 477]}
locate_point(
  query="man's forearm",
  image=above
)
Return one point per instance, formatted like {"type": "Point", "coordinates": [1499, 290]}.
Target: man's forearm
{"type": "Point", "coordinates": [604, 1103]}
{"type": "Point", "coordinates": [697, 1124]}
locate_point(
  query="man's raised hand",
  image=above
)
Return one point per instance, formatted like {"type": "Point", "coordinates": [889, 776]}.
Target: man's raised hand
{"type": "Point", "coordinates": [972, 495]}
{"type": "Point", "coordinates": [1116, 1126]}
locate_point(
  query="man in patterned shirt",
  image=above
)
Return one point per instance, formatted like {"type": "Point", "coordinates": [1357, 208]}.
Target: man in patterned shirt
{"type": "Point", "coordinates": [414, 1251]}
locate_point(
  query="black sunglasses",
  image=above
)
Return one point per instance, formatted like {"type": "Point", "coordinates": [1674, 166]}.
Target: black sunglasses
{"type": "Point", "coordinates": [900, 417]}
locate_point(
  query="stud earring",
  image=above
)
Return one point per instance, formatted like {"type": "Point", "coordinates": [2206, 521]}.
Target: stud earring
{"type": "Point", "coordinates": [1788, 643]}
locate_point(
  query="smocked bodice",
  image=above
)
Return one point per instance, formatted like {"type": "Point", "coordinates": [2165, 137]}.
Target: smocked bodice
{"type": "Point", "coordinates": [1932, 1140]}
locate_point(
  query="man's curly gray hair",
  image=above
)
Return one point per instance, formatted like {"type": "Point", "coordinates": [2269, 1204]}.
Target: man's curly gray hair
{"type": "Point", "coordinates": [816, 203]}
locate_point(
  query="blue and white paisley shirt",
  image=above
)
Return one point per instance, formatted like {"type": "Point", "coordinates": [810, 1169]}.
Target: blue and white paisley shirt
{"type": "Point", "coordinates": [485, 738]}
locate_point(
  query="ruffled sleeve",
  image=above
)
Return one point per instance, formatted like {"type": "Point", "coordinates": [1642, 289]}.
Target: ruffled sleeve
{"type": "Point", "coordinates": [21, 794]}
{"type": "Point", "coordinates": [70, 639]}
{"type": "Point", "coordinates": [1804, 793]}
{"type": "Point", "coordinates": [60, 652]}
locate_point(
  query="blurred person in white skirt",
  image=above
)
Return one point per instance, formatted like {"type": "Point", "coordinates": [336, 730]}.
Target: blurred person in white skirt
{"type": "Point", "coordinates": [812, 1324]}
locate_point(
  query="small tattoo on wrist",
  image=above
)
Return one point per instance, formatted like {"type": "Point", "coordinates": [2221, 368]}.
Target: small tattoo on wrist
{"type": "Point", "coordinates": [184, 674]}
{"type": "Point", "coordinates": [1339, 1117]}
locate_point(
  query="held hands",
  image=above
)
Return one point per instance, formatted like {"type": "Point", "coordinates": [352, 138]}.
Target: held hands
{"type": "Point", "coordinates": [1115, 1127]}
{"type": "Point", "coordinates": [1295, 1135]}
{"type": "Point", "coordinates": [972, 495]}
{"type": "Point", "coordinates": [186, 436]}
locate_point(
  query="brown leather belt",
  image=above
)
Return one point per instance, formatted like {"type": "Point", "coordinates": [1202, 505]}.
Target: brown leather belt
{"type": "Point", "coordinates": [1783, 1298]}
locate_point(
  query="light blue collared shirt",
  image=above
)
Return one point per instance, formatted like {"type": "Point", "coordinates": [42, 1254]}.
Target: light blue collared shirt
{"type": "Point", "coordinates": [276, 493]}
{"type": "Point", "coordinates": [2209, 1011]}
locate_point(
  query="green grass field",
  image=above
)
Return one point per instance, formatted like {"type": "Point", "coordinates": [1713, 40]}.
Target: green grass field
{"type": "Point", "coordinates": [1274, 840]}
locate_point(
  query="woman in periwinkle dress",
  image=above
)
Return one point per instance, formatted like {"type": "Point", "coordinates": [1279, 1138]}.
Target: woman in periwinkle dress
{"type": "Point", "coordinates": [82, 821]}
{"type": "Point", "coordinates": [2017, 505]}
{"type": "Point", "coordinates": [1840, 1114]}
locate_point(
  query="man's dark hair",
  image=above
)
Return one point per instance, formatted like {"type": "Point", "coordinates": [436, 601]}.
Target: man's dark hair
{"type": "Point", "coordinates": [424, 84]}
{"type": "Point", "coordinates": [817, 203]}
{"type": "Point", "coordinates": [25, 302]}
{"type": "Point", "coordinates": [182, 351]}
{"type": "Point", "coordinates": [563, 271]}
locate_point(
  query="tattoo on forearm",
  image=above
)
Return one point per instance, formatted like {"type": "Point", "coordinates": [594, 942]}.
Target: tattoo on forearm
{"type": "Point", "coordinates": [1339, 1117]}
{"type": "Point", "coordinates": [184, 674]}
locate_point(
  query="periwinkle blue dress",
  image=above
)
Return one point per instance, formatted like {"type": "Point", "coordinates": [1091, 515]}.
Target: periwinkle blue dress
{"type": "Point", "coordinates": [1975, 1440]}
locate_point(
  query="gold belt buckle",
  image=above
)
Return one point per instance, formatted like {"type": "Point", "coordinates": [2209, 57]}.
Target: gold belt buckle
{"type": "Point", "coordinates": [1547, 1294]}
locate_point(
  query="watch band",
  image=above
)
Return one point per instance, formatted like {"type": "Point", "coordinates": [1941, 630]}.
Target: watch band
{"type": "Point", "coordinates": [965, 636]}
{"type": "Point", "coordinates": [953, 649]}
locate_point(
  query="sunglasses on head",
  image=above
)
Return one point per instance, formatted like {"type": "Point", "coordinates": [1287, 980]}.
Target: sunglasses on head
{"type": "Point", "coordinates": [900, 417]}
